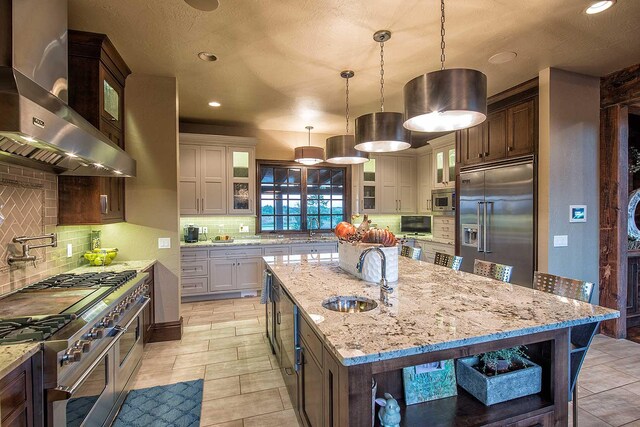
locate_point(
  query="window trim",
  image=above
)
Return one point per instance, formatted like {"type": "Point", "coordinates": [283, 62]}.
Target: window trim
{"type": "Point", "coordinates": [288, 164]}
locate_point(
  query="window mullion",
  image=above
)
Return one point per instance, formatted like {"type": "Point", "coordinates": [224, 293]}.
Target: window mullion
{"type": "Point", "coordinates": [303, 201]}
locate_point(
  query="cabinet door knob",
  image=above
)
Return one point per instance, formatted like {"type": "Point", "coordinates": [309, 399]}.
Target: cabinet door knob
{"type": "Point", "coordinates": [479, 155]}
{"type": "Point", "coordinates": [510, 149]}
{"type": "Point", "coordinates": [486, 154]}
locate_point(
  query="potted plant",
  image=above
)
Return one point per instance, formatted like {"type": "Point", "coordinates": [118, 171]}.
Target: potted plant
{"type": "Point", "coordinates": [498, 376]}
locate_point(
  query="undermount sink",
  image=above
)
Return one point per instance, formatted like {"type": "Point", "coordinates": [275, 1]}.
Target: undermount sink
{"type": "Point", "coordinates": [349, 304]}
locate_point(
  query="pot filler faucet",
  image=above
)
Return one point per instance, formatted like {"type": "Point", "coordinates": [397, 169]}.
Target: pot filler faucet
{"type": "Point", "coordinates": [26, 247]}
{"type": "Point", "coordinates": [385, 289]}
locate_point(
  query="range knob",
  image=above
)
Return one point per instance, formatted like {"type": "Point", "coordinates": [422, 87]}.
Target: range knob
{"type": "Point", "coordinates": [114, 315]}
{"type": "Point", "coordinates": [71, 356]}
{"type": "Point", "coordinates": [107, 322]}
{"type": "Point", "coordinates": [95, 333]}
{"type": "Point", "coordinates": [83, 345]}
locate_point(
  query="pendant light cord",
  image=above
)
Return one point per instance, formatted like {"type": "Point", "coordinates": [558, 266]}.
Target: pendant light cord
{"type": "Point", "coordinates": [382, 76]}
{"type": "Point", "coordinates": [442, 35]}
{"type": "Point", "coordinates": [347, 105]}
{"type": "Point", "coordinates": [309, 138]}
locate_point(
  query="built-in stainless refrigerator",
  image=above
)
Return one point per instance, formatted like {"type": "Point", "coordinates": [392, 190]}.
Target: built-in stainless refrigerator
{"type": "Point", "coordinates": [497, 218]}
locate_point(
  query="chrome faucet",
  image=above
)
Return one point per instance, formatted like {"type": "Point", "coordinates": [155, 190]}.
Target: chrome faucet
{"type": "Point", "coordinates": [385, 289]}
{"type": "Point", "coordinates": [313, 218]}
{"type": "Point", "coordinates": [26, 247]}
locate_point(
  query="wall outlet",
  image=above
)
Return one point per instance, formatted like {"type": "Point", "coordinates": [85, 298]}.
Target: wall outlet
{"type": "Point", "coordinates": [560, 241]}
{"type": "Point", "coordinates": [244, 228]}
{"type": "Point", "coordinates": [69, 250]}
{"type": "Point", "coordinates": [205, 230]}
{"type": "Point", "coordinates": [164, 243]}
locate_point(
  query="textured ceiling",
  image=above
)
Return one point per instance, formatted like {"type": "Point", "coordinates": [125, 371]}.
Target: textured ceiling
{"type": "Point", "coordinates": [279, 60]}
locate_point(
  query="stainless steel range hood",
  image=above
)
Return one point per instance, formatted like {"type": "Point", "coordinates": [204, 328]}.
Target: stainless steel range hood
{"type": "Point", "coordinates": [37, 127]}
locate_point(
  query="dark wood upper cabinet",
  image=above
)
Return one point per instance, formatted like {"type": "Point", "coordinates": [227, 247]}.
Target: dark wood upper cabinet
{"type": "Point", "coordinates": [97, 75]}
{"type": "Point", "coordinates": [521, 128]}
{"type": "Point", "coordinates": [509, 131]}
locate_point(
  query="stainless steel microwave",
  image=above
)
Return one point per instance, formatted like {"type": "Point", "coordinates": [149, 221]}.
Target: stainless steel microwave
{"type": "Point", "coordinates": [443, 199]}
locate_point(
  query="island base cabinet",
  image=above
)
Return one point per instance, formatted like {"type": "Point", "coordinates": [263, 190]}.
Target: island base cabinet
{"type": "Point", "coordinates": [311, 385]}
{"type": "Point", "coordinates": [326, 393]}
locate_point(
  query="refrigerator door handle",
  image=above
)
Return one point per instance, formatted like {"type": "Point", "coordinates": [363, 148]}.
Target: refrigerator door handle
{"type": "Point", "coordinates": [485, 227]}
{"type": "Point", "coordinates": [480, 227]}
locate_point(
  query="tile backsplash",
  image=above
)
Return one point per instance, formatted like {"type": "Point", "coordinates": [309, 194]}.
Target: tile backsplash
{"type": "Point", "coordinates": [29, 205]}
{"type": "Point", "coordinates": [217, 225]}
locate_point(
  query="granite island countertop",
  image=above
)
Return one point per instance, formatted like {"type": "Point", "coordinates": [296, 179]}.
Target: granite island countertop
{"type": "Point", "coordinates": [12, 355]}
{"type": "Point", "coordinates": [260, 241]}
{"type": "Point", "coordinates": [116, 266]}
{"type": "Point", "coordinates": [434, 308]}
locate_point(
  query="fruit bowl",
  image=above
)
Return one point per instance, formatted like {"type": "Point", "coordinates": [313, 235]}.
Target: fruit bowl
{"type": "Point", "coordinates": [99, 257]}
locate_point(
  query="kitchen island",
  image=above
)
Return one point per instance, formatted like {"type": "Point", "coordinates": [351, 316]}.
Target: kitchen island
{"type": "Point", "coordinates": [436, 314]}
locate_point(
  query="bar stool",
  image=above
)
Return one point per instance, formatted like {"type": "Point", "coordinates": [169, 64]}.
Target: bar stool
{"type": "Point", "coordinates": [496, 271]}
{"type": "Point", "coordinates": [574, 289]}
{"type": "Point", "coordinates": [411, 252]}
{"type": "Point", "coordinates": [452, 261]}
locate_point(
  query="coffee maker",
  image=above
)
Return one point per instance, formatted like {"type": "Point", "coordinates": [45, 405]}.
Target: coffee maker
{"type": "Point", "coordinates": [191, 234]}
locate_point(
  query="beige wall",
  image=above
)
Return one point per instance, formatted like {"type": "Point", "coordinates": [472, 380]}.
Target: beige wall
{"type": "Point", "coordinates": [152, 197]}
{"type": "Point", "coordinates": [568, 173]}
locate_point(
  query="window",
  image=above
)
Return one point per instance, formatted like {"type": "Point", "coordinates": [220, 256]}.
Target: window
{"type": "Point", "coordinates": [299, 198]}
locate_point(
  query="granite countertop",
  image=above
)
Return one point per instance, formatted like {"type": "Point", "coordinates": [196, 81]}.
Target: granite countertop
{"type": "Point", "coordinates": [434, 308]}
{"type": "Point", "coordinates": [116, 266]}
{"type": "Point", "coordinates": [260, 241]}
{"type": "Point", "coordinates": [12, 355]}
{"type": "Point", "coordinates": [425, 238]}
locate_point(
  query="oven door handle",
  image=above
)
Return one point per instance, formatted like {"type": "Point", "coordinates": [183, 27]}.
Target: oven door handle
{"type": "Point", "coordinates": [65, 393]}
{"type": "Point", "coordinates": [125, 328]}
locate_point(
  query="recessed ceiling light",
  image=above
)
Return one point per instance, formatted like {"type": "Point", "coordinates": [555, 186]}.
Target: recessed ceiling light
{"type": "Point", "coordinates": [502, 57]}
{"type": "Point", "coordinates": [599, 6]}
{"type": "Point", "coordinates": [214, 104]}
{"type": "Point", "coordinates": [207, 56]}
{"type": "Point", "coordinates": [203, 5]}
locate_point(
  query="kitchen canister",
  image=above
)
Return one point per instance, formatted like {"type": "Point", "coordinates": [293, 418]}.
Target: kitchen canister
{"type": "Point", "coordinates": [349, 255]}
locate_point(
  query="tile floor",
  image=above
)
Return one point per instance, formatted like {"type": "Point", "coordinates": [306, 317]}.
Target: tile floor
{"type": "Point", "coordinates": [224, 344]}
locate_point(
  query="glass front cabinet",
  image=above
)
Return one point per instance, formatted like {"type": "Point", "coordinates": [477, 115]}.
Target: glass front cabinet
{"type": "Point", "coordinates": [369, 186]}
{"type": "Point", "coordinates": [241, 180]}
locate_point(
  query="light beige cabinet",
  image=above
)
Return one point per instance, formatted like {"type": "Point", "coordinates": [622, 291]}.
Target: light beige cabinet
{"type": "Point", "coordinates": [217, 175]}
{"type": "Point", "coordinates": [429, 249]}
{"type": "Point", "coordinates": [444, 161]}
{"type": "Point", "coordinates": [385, 184]}
{"type": "Point", "coordinates": [425, 182]}
{"type": "Point", "coordinates": [218, 270]}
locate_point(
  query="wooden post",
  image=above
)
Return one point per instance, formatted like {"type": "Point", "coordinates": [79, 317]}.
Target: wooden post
{"type": "Point", "coordinates": [613, 215]}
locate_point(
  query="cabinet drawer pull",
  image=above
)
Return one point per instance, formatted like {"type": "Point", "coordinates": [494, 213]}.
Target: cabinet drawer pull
{"type": "Point", "coordinates": [486, 154]}
{"type": "Point", "coordinates": [288, 371]}
{"type": "Point", "coordinates": [190, 269]}
{"type": "Point", "coordinates": [479, 155]}
{"type": "Point", "coordinates": [197, 205]}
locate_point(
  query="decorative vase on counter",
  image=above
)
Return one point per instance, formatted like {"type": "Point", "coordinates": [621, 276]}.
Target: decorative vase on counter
{"type": "Point", "coordinates": [349, 255]}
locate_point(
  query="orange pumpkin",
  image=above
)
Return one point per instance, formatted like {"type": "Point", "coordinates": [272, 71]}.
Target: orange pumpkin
{"type": "Point", "coordinates": [376, 235]}
{"type": "Point", "coordinates": [345, 230]}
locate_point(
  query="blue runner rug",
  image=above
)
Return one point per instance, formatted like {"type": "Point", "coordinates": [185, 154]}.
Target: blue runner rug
{"type": "Point", "coordinates": [167, 405]}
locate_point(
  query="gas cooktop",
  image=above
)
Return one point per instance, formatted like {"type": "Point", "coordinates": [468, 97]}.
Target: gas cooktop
{"type": "Point", "coordinates": [37, 311]}
{"type": "Point", "coordinates": [85, 280]}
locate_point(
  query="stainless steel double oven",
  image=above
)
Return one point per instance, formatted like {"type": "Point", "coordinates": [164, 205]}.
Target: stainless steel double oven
{"type": "Point", "coordinates": [92, 392]}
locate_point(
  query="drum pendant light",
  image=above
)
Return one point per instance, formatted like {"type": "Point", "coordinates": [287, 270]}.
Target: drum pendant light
{"type": "Point", "coordinates": [340, 148]}
{"type": "Point", "coordinates": [382, 131]}
{"type": "Point", "coordinates": [445, 100]}
{"type": "Point", "coordinates": [309, 155]}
